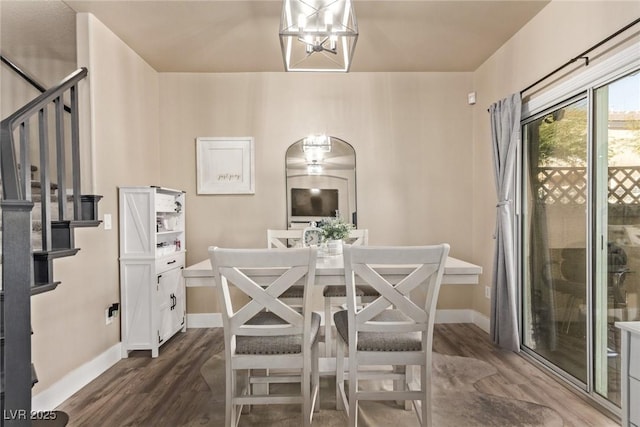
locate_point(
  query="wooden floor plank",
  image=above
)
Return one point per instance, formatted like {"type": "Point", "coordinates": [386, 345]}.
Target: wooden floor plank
{"type": "Point", "coordinates": [170, 391]}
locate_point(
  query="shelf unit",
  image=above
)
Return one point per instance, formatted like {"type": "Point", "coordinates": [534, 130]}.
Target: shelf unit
{"type": "Point", "coordinates": [630, 373]}
{"type": "Point", "coordinates": [152, 257]}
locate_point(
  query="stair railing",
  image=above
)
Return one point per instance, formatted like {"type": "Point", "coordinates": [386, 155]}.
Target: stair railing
{"type": "Point", "coordinates": [17, 253]}
{"type": "Point", "coordinates": [26, 76]}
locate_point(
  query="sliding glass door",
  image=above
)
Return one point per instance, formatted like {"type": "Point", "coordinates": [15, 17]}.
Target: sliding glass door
{"type": "Point", "coordinates": [617, 223]}
{"type": "Point", "coordinates": [555, 237]}
{"type": "Point", "coordinates": [580, 233]}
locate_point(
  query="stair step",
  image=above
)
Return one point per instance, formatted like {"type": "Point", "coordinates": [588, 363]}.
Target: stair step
{"type": "Point", "coordinates": [85, 223]}
{"type": "Point", "coordinates": [34, 376]}
{"type": "Point", "coordinates": [40, 288]}
{"type": "Point", "coordinates": [37, 198]}
{"type": "Point", "coordinates": [55, 253]}
{"type": "Point", "coordinates": [89, 205]}
{"type": "Point", "coordinates": [43, 263]}
{"type": "Point", "coordinates": [37, 185]}
{"type": "Point", "coordinates": [62, 235]}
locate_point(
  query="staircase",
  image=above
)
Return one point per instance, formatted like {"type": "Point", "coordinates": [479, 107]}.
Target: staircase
{"type": "Point", "coordinates": [32, 240]}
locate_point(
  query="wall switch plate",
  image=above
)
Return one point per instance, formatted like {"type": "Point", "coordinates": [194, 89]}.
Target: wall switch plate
{"type": "Point", "coordinates": [487, 292]}
{"type": "Point", "coordinates": [107, 221]}
{"type": "Point", "coordinates": [471, 98]}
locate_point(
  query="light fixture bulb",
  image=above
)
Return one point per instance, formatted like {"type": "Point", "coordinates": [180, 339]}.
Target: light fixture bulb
{"type": "Point", "coordinates": [328, 19]}
{"type": "Point", "coordinates": [333, 42]}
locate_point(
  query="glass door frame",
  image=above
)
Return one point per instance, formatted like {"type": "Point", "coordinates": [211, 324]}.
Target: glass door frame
{"type": "Point", "coordinates": [521, 170]}
{"type": "Point", "coordinates": [616, 66]}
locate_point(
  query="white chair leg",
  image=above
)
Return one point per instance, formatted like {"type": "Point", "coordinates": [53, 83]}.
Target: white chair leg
{"type": "Point", "coordinates": [306, 393]}
{"type": "Point", "coordinates": [250, 390]}
{"type": "Point", "coordinates": [328, 339]}
{"type": "Point", "coordinates": [229, 410]}
{"type": "Point", "coordinates": [425, 386]}
{"type": "Point", "coordinates": [315, 381]}
{"type": "Point", "coordinates": [403, 384]}
{"type": "Point", "coordinates": [408, 378]}
{"type": "Point", "coordinates": [353, 389]}
{"type": "Point", "coordinates": [339, 374]}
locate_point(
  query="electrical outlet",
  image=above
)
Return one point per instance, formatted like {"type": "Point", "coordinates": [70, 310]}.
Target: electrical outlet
{"type": "Point", "coordinates": [487, 292]}
{"type": "Point", "coordinates": [107, 319]}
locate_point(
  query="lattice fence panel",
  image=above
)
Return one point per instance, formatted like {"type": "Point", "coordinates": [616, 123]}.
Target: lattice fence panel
{"type": "Point", "coordinates": [568, 185]}
{"type": "Point", "coordinates": [562, 185]}
{"type": "Point", "coordinates": [624, 186]}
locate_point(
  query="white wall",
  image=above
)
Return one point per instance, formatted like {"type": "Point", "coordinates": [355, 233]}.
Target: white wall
{"type": "Point", "coordinates": [69, 323]}
{"type": "Point", "coordinates": [561, 31]}
{"type": "Point", "coordinates": [411, 133]}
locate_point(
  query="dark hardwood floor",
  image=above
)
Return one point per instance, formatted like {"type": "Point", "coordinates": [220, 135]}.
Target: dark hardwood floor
{"type": "Point", "coordinates": [170, 391]}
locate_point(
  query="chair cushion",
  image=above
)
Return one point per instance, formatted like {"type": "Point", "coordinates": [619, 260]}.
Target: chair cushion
{"type": "Point", "coordinates": [296, 291]}
{"type": "Point", "coordinates": [341, 291]}
{"type": "Point", "coordinates": [278, 344]}
{"type": "Point", "coordinates": [380, 341]}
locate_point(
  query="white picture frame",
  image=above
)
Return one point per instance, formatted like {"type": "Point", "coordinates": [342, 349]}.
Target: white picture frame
{"type": "Point", "coordinates": [225, 165]}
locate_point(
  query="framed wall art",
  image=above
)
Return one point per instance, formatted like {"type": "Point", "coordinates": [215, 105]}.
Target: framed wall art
{"type": "Point", "coordinates": [225, 165]}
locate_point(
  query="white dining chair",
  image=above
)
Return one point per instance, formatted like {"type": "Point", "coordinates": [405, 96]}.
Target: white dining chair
{"type": "Point", "coordinates": [336, 295]}
{"type": "Point", "coordinates": [283, 238]}
{"type": "Point", "coordinates": [394, 331]}
{"type": "Point", "coordinates": [265, 333]}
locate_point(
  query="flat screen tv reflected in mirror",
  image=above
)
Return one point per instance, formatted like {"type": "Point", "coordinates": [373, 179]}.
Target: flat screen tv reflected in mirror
{"type": "Point", "coordinates": [317, 202]}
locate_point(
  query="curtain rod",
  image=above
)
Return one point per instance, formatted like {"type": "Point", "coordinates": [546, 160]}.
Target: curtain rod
{"type": "Point", "coordinates": [581, 56]}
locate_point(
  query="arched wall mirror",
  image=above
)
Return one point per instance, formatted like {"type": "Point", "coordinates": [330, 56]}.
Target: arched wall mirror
{"type": "Point", "coordinates": [321, 180]}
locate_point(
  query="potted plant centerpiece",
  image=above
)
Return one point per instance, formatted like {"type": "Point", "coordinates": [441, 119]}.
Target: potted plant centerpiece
{"type": "Point", "coordinates": [334, 230]}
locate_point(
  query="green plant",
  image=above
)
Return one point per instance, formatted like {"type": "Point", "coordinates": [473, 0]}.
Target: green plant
{"type": "Point", "coordinates": [334, 228]}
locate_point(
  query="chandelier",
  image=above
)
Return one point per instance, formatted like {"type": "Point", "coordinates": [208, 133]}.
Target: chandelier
{"type": "Point", "coordinates": [318, 35]}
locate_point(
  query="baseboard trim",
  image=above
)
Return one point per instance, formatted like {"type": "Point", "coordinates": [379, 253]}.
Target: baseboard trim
{"type": "Point", "coordinates": [481, 321]}
{"type": "Point", "coordinates": [204, 320]}
{"type": "Point", "coordinates": [463, 316]}
{"type": "Point", "coordinates": [61, 390]}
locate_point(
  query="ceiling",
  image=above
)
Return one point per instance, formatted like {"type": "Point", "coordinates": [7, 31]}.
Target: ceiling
{"type": "Point", "coordinates": [242, 35]}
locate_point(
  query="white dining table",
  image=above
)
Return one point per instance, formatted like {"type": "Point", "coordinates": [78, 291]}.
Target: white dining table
{"type": "Point", "coordinates": [330, 271]}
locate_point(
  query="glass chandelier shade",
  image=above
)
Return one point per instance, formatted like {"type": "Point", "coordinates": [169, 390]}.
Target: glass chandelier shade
{"type": "Point", "coordinates": [318, 35]}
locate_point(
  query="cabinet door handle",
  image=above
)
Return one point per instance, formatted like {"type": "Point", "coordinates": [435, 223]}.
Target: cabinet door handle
{"type": "Point", "coordinates": [172, 262]}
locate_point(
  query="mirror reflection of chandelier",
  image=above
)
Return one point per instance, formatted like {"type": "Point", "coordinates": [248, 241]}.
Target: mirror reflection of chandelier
{"type": "Point", "coordinates": [319, 142]}
{"type": "Point", "coordinates": [314, 168]}
{"type": "Point", "coordinates": [314, 147]}
{"type": "Point", "coordinates": [318, 35]}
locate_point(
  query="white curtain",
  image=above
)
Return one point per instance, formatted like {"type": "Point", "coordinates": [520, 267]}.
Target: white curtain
{"type": "Point", "coordinates": [505, 134]}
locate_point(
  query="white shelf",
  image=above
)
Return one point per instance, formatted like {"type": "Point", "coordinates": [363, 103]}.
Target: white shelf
{"type": "Point", "coordinates": [151, 284]}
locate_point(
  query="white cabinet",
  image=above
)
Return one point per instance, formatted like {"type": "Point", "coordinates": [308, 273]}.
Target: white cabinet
{"type": "Point", "coordinates": [630, 379]}
{"type": "Point", "coordinates": [152, 257]}
{"type": "Point", "coordinates": [170, 302]}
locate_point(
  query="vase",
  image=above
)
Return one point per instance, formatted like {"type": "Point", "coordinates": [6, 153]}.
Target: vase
{"type": "Point", "coordinates": [334, 247]}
